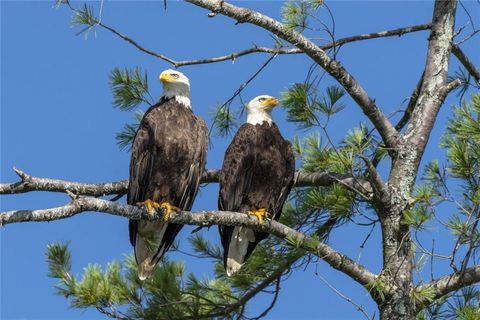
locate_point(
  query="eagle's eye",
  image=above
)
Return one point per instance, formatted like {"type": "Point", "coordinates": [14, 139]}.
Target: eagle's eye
{"type": "Point", "coordinates": [262, 99]}
{"type": "Point", "coordinates": [174, 75]}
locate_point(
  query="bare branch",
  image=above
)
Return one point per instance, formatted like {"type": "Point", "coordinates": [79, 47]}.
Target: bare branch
{"type": "Point", "coordinates": [452, 282]}
{"type": "Point", "coordinates": [434, 86]}
{"type": "Point", "coordinates": [202, 218]}
{"type": "Point", "coordinates": [235, 55]}
{"type": "Point", "coordinates": [367, 104]}
{"type": "Point", "coordinates": [411, 106]}
{"type": "Point", "coordinates": [462, 57]}
{"type": "Point", "coordinates": [138, 46]}
{"type": "Point", "coordinates": [339, 42]}
{"type": "Point", "coordinates": [30, 183]}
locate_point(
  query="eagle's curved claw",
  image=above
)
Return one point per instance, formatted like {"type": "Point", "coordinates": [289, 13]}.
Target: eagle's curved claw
{"type": "Point", "coordinates": [259, 213]}
{"type": "Point", "coordinates": [151, 206]}
{"type": "Point", "coordinates": [168, 209]}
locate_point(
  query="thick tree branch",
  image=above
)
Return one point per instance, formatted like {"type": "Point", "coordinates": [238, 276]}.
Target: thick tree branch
{"type": "Point", "coordinates": [29, 183]}
{"type": "Point", "coordinates": [434, 86]}
{"type": "Point", "coordinates": [462, 57]}
{"type": "Point", "coordinates": [202, 218]}
{"type": "Point", "coordinates": [452, 282]}
{"type": "Point", "coordinates": [367, 104]}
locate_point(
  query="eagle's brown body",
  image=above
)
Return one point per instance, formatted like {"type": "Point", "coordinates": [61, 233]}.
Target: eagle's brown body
{"type": "Point", "coordinates": [168, 159]}
{"type": "Point", "coordinates": [258, 172]}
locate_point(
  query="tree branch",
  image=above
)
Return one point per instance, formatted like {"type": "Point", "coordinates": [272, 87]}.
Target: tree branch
{"type": "Point", "coordinates": [202, 218]}
{"type": "Point", "coordinates": [335, 44]}
{"type": "Point", "coordinates": [30, 183]}
{"type": "Point", "coordinates": [434, 86]}
{"type": "Point", "coordinates": [452, 282]}
{"type": "Point", "coordinates": [411, 106]}
{"type": "Point", "coordinates": [381, 191]}
{"type": "Point", "coordinates": [367, 104]}
{"type": "Point", "coordinates": [462, 57]}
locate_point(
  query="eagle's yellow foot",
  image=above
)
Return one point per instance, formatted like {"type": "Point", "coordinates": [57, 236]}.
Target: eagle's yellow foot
{"type": "Point", "coordinates": [168, 209]}
{"type": "Point", "coordinates": [151, 206]}
{"type": "Point", "coordinates": [259, 213]}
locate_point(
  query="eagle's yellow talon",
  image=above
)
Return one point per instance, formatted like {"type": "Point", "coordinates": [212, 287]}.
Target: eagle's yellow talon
{"type": "Point", "coordinates": [168, 209]}
{"type": "Point", "coordinates": [259, 213]}
{"type": "Point", "coordinates": [151, 206]}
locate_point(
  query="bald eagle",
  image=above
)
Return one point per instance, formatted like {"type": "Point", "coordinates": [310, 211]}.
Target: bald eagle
{"type": "Point", "coordinates": [256, 177]}
{"type": "Point", "coordinates": [167, 162]}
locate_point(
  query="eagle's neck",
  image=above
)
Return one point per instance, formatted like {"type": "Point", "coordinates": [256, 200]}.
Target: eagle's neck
{"type": "Point", "coordinates": [259, 116]}
{"type": "Point", "coordinates": [181, 94]}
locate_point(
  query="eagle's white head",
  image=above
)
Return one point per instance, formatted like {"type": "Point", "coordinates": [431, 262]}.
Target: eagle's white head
{"type": "Point", "coordinates": [259, 109]}
{"type": "Point", "coordinates": [176, 85]}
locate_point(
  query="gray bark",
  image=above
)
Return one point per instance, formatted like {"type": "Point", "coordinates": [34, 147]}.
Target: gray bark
{"type": "Point", "coordinates": [397, 251]}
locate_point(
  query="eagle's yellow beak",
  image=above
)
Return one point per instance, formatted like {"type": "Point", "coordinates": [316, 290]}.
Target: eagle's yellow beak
{"type": "Point", "coordinates": [270, 102]}
{"type": "Point", "coordinates": [165, 77]}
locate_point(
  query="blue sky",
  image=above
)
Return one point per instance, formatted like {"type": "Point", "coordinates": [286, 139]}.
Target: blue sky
{"type": "Point", "coordinates": [57, 121]}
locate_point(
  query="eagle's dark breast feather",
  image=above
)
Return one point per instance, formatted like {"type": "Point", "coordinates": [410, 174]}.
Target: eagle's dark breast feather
{"type": "Point", "coordinates": [168, 159]}
{"type": "Point", "coordinates": [258, 172]}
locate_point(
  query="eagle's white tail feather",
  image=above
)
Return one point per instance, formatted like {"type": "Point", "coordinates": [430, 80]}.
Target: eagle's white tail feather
{"type": "Point", "coordinates": [146, 245]}
{"type": "Point", "coordinates": [237, 249]}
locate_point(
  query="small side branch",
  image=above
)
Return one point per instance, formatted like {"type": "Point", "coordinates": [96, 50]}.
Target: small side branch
{"type": "Point", "coordinates": [202, 218]}
{"type": "Point", "coordinates": [381, 192]}
{"type": "Point", "coordinates": [411, 106]}
{"type": "Point", "coordinates": [452, 282]}
{"type": "Point", "coordinates": [462, 57]}
{"type": "Point", "coordinates": [30, 183]}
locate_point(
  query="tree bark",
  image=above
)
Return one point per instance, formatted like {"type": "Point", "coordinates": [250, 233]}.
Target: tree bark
{"type": "Point", "coordinates": [398, 302]}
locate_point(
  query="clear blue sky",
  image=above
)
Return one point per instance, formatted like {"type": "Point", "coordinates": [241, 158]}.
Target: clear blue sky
{"type": "Point", "coordinates": [57, 121]}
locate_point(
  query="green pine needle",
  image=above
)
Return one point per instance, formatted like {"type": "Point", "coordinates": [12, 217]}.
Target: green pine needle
{"type": "Point", "coordinates": [126, 136]}
{"type": "Point", "coordinates": [295, 13]}
{"type": "Point", "coordinates": [304, 106]}
{"type": "Point", "coordinates": [129, 88]}
{"type": "Point", "coordinates": [299, 102]}
{"type": "Point", "coordinates": [224, 121]}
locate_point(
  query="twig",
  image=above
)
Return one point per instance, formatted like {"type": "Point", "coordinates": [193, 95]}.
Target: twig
{"type": "Point", "coordinates": [359, 307]}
